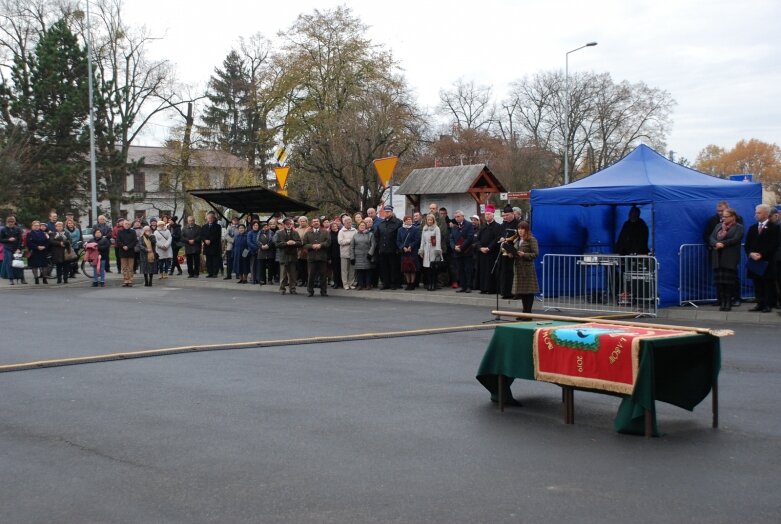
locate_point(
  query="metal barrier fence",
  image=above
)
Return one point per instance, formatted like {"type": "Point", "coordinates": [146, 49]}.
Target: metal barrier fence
{"type": "Point", "coordinates": [695, 276]}
{"type": "Point", "coordinates": [601, 283]}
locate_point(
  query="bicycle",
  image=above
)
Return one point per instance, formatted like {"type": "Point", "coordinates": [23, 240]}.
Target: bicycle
{"type": "Point", "coordinates": [87, 269]}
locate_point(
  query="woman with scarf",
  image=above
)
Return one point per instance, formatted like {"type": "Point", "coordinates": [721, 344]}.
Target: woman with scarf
{"type": "Point", "coordinates": [38, 244]}
{"type": "Point", "coordinates": [241, 254]}
{"type": "Point", "coordinates": [408, 242]}
{"type": "Point", "coordinates": [147, 258]}
{"type": "Point", "coordinates": [430, 251]}
{"type": "Point", "coordinates": [725, 256]}
{"type": "Point", "coordinates": [75, 234]}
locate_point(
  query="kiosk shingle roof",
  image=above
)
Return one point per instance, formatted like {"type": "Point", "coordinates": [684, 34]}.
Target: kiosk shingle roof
{"type": "Point", "coordinates": [443, 180]}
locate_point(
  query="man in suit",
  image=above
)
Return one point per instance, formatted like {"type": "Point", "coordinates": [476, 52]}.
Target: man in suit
{"type": "Point", "coordinates": [288, 242]}
{"type": "Point", "coordinates": [761, 245]}
{"type": "Point", "coordinates": [775, 218]}
{"type": "Point", "coordinates": [211, 236]}
{"type": "Point", "coordinates": [316, 241]}
{"type": "Point", "coordinates": [461, 240]}
{"type": "Point", "coordinates": [487, 245]}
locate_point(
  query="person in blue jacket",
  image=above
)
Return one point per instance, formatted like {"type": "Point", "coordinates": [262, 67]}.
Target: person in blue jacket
{"type": "Point", "coordinates": [38, 244]}
{"type": "Point", "coordinates": [461, 240]}
{"type": "Point", "coordinates": [241, 254]}
{"type": "Point", "coordinates": [252, 245]}
{"type": "Point", "coordinates": [408, 242]}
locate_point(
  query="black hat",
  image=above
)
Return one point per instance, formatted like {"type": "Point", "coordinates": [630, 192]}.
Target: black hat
{"type": "Point", "coordinates": [507, 209]}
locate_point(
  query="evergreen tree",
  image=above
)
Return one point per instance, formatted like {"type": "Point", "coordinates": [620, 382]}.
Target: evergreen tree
{"type": "Point", "coordinates": [47, 108]}
{"type": "Point", "coordinates": [244, 115]}
{"type": "Point", "coordinates": [225, 118]}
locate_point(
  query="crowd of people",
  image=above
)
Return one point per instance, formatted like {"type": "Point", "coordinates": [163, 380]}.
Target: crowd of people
{"type": "Point", "coordinates": [360, 252]}
{"type": "Point", "coordinates": [356, 252]}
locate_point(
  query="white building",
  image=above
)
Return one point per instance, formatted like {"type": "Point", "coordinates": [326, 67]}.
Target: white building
{"type": "Point", "coordinates": [156, 190]}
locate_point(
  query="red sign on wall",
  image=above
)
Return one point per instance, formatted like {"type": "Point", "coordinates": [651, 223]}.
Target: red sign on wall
{"type": "Point", "coordinates": [516, 195]}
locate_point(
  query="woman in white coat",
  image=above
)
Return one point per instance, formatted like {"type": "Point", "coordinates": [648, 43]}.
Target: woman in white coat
{"type": "Point", "coordinates": [164, 249]}
{"type": "Point", "coordinates": [430, 251]}
{"type": "Point", "coordinates": [345, 239]}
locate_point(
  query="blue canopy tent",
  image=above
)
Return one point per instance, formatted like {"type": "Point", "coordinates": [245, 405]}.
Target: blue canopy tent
{"type": "Point", "coordinates": [675, 201]}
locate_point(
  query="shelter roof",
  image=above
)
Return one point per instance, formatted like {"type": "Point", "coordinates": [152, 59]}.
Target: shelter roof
{"type": "Point", "coordinates": [447, 180]}
{"type": "Point", "coordinates": [251, 199]}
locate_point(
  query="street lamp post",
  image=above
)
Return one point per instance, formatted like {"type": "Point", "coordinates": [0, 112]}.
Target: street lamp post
{"type": "Point", "coordinates": [93, 175]}
{"type": "Point", "coordinates": [566, 109]}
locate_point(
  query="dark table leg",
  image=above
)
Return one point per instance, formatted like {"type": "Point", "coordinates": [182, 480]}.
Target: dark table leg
{"type": "Point", "coordinates": [568, 393]}
{"type": "Point", "coordinates": [715, 402]}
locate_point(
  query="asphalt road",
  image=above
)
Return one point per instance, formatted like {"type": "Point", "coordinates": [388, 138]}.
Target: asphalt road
{"type": "Point", "coordinates": [381, 430]}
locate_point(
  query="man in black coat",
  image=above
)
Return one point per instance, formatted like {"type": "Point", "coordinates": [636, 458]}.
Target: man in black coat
{"type": "Point", "coordinates": [633, 239]}
{"type": "Point", "coordinates": [211, 236]}
{"type": "Point", "coordinates": [461, 243]}
{"type": "Point", "coordinates": [506, 270]}
{"type": "Point", "coordinates": [761, 245]}
{"type": "Point", "coordinates": [487, 245]}
{"type": "Point", "coordinates": [388, 251]}
{"type": "Point", "coordinates": [126, 242]}
{"type": "Point", "coordinates": [775, 218]}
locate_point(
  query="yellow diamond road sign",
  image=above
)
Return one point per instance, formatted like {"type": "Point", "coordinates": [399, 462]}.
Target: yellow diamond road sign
{"type": "Point", "coordinates": [385, 167]}
{"type": "Point", "coordinates": [281, 173]}
{"type": "Point", "coordinates": [281, 155]}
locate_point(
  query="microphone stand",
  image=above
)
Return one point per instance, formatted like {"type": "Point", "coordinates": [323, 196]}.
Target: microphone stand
{"type": "Point", "coordinates": [497, 264]}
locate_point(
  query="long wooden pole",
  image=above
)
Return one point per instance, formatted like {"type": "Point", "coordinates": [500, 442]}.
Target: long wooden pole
{"type": "Point", "coordinates": [543, 316]}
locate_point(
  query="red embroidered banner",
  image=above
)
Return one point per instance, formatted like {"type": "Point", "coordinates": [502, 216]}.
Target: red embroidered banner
{"type": "Point", "coordinates": [593, 355]}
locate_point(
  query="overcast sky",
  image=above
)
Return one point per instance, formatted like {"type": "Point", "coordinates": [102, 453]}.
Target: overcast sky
{"type": "Point", "coordinates": [720, 59]}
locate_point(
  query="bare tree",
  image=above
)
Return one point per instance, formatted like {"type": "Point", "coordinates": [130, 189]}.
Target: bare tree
{"type": "Point", "coordinates": [623, 115]}
{"type": "Point", "coordinates": [468, 106]}
{"type": "Point", "coordinates": [348, 106]}
{"type": "Point", "coordinates": [130, 89]}
{"type": "Point", "coordinates": [605, 119]}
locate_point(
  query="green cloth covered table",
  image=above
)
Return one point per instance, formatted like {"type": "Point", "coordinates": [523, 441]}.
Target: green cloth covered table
{"type": "Point", "coordinates": [680, 371]}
